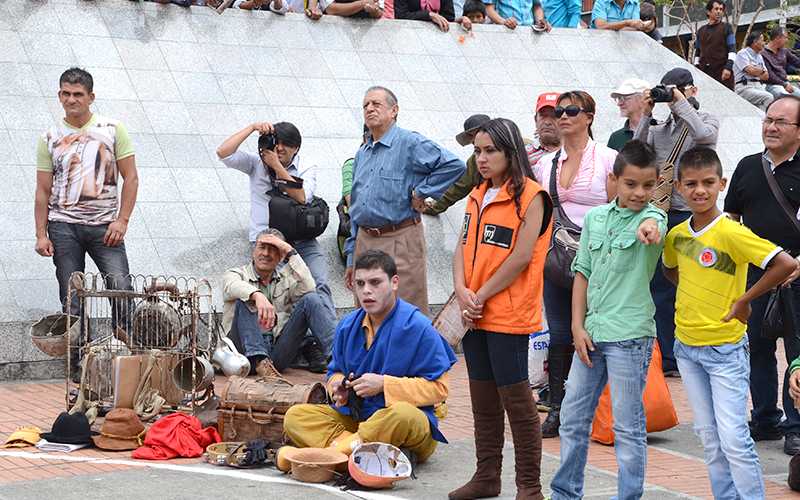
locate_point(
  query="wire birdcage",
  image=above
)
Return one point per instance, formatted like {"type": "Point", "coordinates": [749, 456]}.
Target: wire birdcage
{"type": "Point", "coordinates": [161, 324]}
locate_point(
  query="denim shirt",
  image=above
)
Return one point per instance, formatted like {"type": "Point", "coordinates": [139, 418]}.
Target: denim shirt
{"type": "Point", "coordinates": [387, 171]}
{"type": "Point", "coordinates": [619, 269]}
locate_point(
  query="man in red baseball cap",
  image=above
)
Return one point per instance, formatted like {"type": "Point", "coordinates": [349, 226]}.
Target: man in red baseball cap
{"type": "Point", "coordinates": [546, 129]}
{"type": "Point", "coordinates": [548, 141]}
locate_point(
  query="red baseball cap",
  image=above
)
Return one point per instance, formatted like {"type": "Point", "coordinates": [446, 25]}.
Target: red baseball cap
{"type": "Point", "coordinates": [547, 99]}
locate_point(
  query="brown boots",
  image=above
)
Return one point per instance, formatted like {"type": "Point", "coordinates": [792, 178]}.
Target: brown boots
{"type": "Point", "coordinates": [527, 435]}
{"type": "Point", "coordinates": [487, 412]}
{"type": "Point", "coordinates": [488, 402]}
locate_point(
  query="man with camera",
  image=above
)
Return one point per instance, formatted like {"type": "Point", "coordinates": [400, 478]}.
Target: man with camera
{"type": "Point", "coordinates": [750, 72]}
{"type": "Point", "coordinates": [282, 190]}
{"type": "Point", "coordinates": [685, 127]}
{"type": "Point", "coordinates": [393, 173]}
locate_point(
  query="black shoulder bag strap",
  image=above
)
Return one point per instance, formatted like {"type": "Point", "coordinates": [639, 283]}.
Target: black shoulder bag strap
{"type": "Point", "coordinates": [778, 194]}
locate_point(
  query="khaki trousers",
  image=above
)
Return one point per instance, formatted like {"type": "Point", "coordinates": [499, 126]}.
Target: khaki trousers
{"type": "Point", "coordinates": [402, 425]}
{"type": "Point", "coordinates": [407, 248]}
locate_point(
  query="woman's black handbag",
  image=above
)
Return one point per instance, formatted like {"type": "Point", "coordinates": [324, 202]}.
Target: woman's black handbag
{"type": "Point", "coordinates": [297, 221]}
{"type": "Point", "coordinates": [779, 316]}
{"type": "Point", "coordinates": [565, 240]}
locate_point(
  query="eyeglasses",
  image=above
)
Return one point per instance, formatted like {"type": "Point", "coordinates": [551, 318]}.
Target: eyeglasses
{"type": "Point", "coordinates": [778, 123]}
{"type": "Point", "coordinates": [572, 111]}
{"type": "Point", "coordinates": [619, 98]}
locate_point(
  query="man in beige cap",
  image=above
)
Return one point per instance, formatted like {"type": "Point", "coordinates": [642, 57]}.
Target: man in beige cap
{"type": "Point", "coordinates": [628, 96]}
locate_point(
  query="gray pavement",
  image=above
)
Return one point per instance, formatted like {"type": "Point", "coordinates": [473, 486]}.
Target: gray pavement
{"type": "Point", "coordinates": [452, 465]}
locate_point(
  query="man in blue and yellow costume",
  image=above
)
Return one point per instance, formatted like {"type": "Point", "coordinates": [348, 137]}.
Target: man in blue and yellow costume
{"type": "Point", "coordinates": [388, 378]}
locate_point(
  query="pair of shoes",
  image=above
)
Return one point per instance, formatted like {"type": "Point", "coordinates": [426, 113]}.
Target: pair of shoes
{"type": "Point", "coordinates": [672, 374]}
{"type": "Point", "coordinates": [265, 368]}
{"type": "Point", "coordinates": [552, 422]}
{"type": "Point", "coordinates": [791, 444]}
{"type": "Point", "coordinates": [316, 358]}
{"type": "Point", "coordinates": [762, 433]}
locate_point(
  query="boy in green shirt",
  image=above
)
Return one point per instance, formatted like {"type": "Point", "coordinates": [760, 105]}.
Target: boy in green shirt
{"type": "Point", "coordinates": [612, 324]}
{"type": "Point", "coordinates": [707, 258]}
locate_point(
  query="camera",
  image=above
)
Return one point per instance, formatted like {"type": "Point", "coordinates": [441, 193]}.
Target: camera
{"type": "Point", "coordinates": [662, 93]}
{"type": "Point", "coordinates": [267, 141]}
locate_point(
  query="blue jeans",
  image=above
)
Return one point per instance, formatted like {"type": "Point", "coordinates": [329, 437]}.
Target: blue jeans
{"type": "Point", "coordinates": [309, 313]}
{"type": "Point", "coordinates": [715, 378]}
{"type": "Point", "coordinates": [663, 292]}
{"type": "Point", "coordinates": [624, 366]}
{"type": "Point", "coordinates": [71, 243]}
{"type": "Point", "coordinates": [558, 309]}
{"type": "Point", "coordinates": [312, 254]}
{"type": "Point", "coordinates": [764, 365]}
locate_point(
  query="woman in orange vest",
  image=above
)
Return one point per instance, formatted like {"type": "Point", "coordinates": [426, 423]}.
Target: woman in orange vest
{"type": "Point", "coordinates": [497, 274]}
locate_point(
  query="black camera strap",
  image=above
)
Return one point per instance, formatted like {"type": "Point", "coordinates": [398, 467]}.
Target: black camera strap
{"type": "Point", "coordinates": [295, 183]}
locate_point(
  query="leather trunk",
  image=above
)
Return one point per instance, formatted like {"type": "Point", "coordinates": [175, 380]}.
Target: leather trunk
{"type": "Point", "coordinates": [246, 425]}
{"type": "Point", "coordinates": [268, 395]}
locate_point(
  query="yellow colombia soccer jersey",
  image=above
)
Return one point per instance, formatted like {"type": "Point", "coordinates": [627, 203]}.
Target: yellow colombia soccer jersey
{"type": "Point", "coordinates": [712, 270]}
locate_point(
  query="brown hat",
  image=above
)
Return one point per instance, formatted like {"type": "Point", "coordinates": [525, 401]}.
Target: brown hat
{"type": "Point", "coordinates": [121, 430]}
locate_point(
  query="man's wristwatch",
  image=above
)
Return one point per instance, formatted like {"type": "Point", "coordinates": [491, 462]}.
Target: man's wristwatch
{"type": "Point", "coordinates": [289, 255]}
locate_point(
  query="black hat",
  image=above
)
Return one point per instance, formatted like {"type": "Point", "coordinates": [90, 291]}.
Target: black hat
{"type": "Point", "coordinates": [470, 125]}
{"type": "Point", "coordinates": [680, 77]}
{"type": "Point", "coordinates": [70, 429]}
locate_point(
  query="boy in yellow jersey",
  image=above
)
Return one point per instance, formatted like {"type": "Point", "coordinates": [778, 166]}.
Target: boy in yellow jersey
{"type": "Point", "coordinates": [707, 258]}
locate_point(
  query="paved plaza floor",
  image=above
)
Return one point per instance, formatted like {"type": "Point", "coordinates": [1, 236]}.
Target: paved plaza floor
{"type": "Point", "coordinates": [675, 467]}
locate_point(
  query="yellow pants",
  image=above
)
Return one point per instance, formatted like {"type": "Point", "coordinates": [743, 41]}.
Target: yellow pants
{"type": "Point", "coordinates": [402, 425]}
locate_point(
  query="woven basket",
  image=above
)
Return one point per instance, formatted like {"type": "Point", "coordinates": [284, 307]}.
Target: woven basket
{"type": "Point", "coordinates": [49, 334]}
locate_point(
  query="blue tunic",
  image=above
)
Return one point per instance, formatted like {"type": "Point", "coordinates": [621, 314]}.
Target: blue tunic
{"type": "Point", "coordinates": [405, 345]}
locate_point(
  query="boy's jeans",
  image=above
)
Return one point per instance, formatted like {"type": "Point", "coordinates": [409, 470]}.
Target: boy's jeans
{"type": "Point", "coordinates": [717, 382]}
{"type": "Point", "coordinates": [624, 365]}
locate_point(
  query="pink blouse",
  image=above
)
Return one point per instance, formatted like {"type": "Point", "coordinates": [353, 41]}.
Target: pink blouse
{"type": "Point", "coordinates": [588, 189]}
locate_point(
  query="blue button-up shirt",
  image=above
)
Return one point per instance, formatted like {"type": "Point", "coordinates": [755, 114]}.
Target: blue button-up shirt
{"type": "Point", "coordinates": [387, 171]}
{"type": "Point", "coordinates": [521, 10]}
{"type": "Point", "coordinates": [609, 11]}
{"type": "Point", "coordinates": [563, 13]}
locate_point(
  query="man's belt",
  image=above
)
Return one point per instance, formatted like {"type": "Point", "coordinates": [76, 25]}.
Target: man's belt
{"type": "Point", "coordinates": [390, 228]}
{"type": "Point", "coordinates": [745, 81]}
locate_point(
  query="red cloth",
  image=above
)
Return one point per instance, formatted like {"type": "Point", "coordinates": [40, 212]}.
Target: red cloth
{"type": "Point", "coordinates": [176, 435]}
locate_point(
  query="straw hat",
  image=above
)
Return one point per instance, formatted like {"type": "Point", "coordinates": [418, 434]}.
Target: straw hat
{"type": "Point", "coordinates": [121, 430]}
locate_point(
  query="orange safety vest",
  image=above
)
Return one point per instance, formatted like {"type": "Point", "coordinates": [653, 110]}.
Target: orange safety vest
{"type": "Point", "coordinates": [488, 239]}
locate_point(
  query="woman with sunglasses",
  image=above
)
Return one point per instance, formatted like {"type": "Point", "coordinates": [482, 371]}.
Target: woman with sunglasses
{"type": "Point", "coordinates": [497, 274]}
{"type": "Point", "coordinates": [582, 167]}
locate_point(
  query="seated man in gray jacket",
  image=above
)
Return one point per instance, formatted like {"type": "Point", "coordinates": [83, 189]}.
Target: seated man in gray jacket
{"type": "Point", "coordinates": [269, 309]}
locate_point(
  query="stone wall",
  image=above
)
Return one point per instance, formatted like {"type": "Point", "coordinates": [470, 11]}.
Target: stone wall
{"type": "Point", "coordinates": [184, 79]}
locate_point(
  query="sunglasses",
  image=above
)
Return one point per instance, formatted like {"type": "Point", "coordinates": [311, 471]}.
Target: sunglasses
{"type": "Point", "coordinates": [572, 111]}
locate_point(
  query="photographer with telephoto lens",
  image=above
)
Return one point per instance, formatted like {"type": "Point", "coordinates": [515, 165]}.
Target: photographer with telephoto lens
{"type": "Point", "coordinates": [685, 127]}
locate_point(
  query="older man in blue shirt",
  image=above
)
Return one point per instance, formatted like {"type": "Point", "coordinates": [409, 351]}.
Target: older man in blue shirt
{"type": "Point", "coordinates": [393, 173]}
{"type": "Point", "coordinates": [619, 15]}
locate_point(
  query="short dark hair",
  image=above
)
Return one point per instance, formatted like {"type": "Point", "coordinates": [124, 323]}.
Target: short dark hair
{"type": "Point", "coordinates": [77, 76]}
{"type": "Point", "coordinates": [376, 259]}
{"type": "Point", "coordinates": [698, 158]}
{"type": "Point", "coordinates": [288, 134]}
{"type": "Point", "coordinates": [776, 32]}
{"type": "Point", "coordinates": [647, 11]}
{"type": "Point", "coordinates": [710, 4]}
{"type": "Point", "coordinates": [636, 153]}
{"type": "Point", "coordinates": [471, 6]}
{"type": "Point", "coordinates": [751, 38]}
{"type": "Point", "coordinates": [790, 97]}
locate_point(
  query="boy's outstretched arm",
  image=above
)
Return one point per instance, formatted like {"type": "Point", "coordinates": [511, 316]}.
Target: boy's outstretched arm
{"type": "Point", "coordinates": [778, 270]}
{"type": "Point", "coordinates": [580, 337]}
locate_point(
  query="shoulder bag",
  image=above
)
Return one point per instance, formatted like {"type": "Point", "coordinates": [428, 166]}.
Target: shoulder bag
{"type": "Point", "coordinates": [779, 316]}
{"type": "Point", "coordinates": [297, 221]}
{"type": "Point", "coordinates": [565, 240]}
